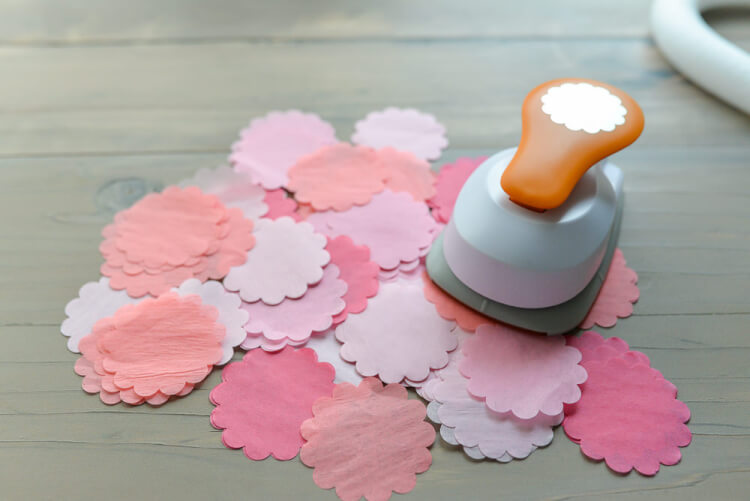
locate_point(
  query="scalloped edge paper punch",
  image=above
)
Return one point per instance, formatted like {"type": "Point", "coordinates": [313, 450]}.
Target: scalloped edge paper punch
{"type": "Point", "coordinates": [534, 228]}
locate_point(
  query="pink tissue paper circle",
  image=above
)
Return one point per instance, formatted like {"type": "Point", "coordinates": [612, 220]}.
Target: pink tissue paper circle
{"type": "Point", "coordinates": [629, 416]}
{"type": "Point", "coordinates": [287, 258]}
{"type": "Point", "coordinates": [297, 319]}
{"type": "Point", "coordinates": [232, 188]}
{"type": "Point", "coordinates": [263, 400]}
{"type": "Point", "coordinates": [450, 180]}
{"type": "Point", "coordinates": [405, 172]}
{"type": "Point", "coordinates": [395, 227]}
{"type": "Point", "coordinates": [367, 441]}
{"type": "Point", "coordinates": [270, 145]}
{"type": "Point", "coordinates": [337, 177]}
{"type": "Point", "coordinates": [356, 269]}
{"type": "Point", "coordinates": [280, 205]}
{"type": "Point", "coordinates": [398, 336]}
{"type": "Point", "coordinates": [616, 297]}
{"type": "Point", "coordinates": [404, 129]}
{"type": "Point", "coordinates": [521, 372]}
{"type": "Point", "coordinates": [595, 347]}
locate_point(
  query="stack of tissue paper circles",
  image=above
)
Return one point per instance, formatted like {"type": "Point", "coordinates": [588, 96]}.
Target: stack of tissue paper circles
{"type": "Point", "coordinates": [306, 254]}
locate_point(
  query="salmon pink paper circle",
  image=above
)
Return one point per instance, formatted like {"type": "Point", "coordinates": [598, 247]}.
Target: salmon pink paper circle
{"type": "Point", "coordinates": [356, 269]}
{"type": "Point", "coordinates": [451, 309]}
{"type": "Point", "coordinates": [367, 441]}
{"type": "Point", "coordinates": [263, 400]}
{"type": "Point", "coordinates": [404, 129]}
{"type": "Point", "coordinates": [521, 372]}
{"type": "Point", "coordinates": [170, 227]}
{"type": "Point", "coordinates": [270, 145]}
{"type": "Point", "coordinates": [232, 188]}
{"type": "Point", "coordinates": [616, 297]}
{"type": "Point", "coordinates": [405, 172]}
{"type": "Point", "coordinates": [139, 280]}
{"type": "Point", "coordinates": [160, 344]}
{"type": "Point", "coordinates": [337, 177]}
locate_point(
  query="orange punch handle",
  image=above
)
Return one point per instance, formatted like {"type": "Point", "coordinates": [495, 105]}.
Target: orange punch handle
{"type": "Point", "coordinates": [568, 126]}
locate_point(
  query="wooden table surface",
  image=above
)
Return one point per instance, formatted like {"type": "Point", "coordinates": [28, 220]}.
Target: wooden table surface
{"type": "Point", "coordinates": [101, 101]}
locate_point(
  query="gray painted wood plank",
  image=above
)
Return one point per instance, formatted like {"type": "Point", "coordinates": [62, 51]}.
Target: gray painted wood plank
{"type": "Point", "coordinates": [92, 21]}
{"type": "Point", "coordinates": [194, 99]}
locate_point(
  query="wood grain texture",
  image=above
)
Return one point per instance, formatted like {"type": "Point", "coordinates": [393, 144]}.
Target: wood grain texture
{"type": "Point", "coordinates": [102, 101]}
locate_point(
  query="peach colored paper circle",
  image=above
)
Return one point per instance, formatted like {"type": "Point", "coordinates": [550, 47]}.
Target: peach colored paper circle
{"type": "Point", "coordinates": [337, 177]}
{"type": "Point", "coordinates": [263, 400]}
{"type": "Point", "coordinates": [451, 309]}
{"type": "Point", "coordinates": [405, 172]}
{"type": "Point", "coordinates": [521, 372]}
{"type": "Point", "coordinates": [367, 440]}
{"type": "Point", "coordinates": [616, 297]}
{"type": "Point", "coordinates": [157, 345]}
{"type": "Point", "coordinates": [272, 144]}
{"type": "Point", "coordinates": [170, 227]}
{"type": "Point", "coordinates": [140, 281]}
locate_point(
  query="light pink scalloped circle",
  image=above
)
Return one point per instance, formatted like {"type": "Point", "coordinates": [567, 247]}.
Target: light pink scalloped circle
{"type": "Point", "coordinates": [475, 425]}
{"type": "Point", "coordinates": [398, 336]}
{"type": "Point", "coordinates": [270, 145]}
{"type": "Point", "coordinates": [297, 319]}
{"type": "Point", "coordinates": [404, 129]}
{"type": "Point", "coordinates": [287, 258]}
{"type": "Point", "coordinates": [521, 372]}
{"type": "Point", "coordinates": [394, 226]}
